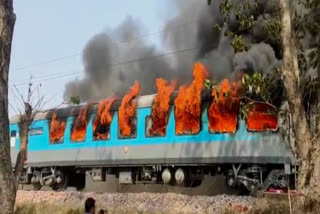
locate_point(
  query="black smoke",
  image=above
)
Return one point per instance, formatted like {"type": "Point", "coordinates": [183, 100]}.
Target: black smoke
{"type": "Point", "coordinates": [194, 29]}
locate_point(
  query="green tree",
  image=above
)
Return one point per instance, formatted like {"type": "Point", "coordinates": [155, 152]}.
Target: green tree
{"type": "Point", "coordinates": [295, 23]}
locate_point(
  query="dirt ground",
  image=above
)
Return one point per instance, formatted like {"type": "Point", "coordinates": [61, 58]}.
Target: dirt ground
{"type": "Point", "coordinates": [72, 202]}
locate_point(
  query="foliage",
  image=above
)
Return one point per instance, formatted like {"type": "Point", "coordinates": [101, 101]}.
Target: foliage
{"type": "Point", "coordinates": [75, 100]}
{"type": "Point", "coordinates": [237, 42]}
{"type": "Point", "coordinates": [306, 24]}
{"type": "Point", "coordinates": [208, 84]}
{"type": "Point", "coordinates": [246, 23]}
{"type": "Point", "coordinates": [258, 86]}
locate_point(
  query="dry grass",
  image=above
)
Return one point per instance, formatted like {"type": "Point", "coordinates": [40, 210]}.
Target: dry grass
{"type": "Point", "coordinates": [47, 209]}
{"type": "Point", "coordinates": [271, 206]}
{"type": "Point", "coordinates": [265, 206]}
{"type": "Point", "coordinates": [262, 206]}
{"type": "Point", "coordinates": [38, 208]}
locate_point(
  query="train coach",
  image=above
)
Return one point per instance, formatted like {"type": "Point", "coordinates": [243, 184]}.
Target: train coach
{"type": "Point", "coordinates": [253, 160]}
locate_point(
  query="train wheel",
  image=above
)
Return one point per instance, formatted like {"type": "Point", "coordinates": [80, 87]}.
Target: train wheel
{"type": "Point", "coordinates": [63, 182]}
{"type": "Point", "coordinates": [36, 186]}
{"type": "Point", "coordinates": [35, 180]}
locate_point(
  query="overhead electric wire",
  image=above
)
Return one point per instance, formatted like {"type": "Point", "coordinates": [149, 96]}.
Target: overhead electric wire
{"type": "Point", "coordinates": [79, 53]}
{"type": "Point", "coordinates": [118, 64]}
{"type": "Point", "coordinates": [48, 78]}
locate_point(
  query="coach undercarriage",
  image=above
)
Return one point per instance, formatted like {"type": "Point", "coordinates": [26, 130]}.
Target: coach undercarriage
{"type": "Point", "coordinates": [247, 177]}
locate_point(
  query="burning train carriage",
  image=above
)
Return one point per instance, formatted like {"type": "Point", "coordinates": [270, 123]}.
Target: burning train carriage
{"type": "Point", "coordinates": [250, 159]}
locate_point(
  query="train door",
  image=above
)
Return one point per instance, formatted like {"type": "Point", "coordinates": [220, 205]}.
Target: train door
{"type": "Point", "coordinates": [13, 137]}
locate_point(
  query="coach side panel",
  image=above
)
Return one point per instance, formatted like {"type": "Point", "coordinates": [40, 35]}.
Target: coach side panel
{"type": "Point", "coordinates": [204, 147]}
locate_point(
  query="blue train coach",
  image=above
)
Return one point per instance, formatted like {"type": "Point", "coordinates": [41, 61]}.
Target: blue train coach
{"type": "Point", "coordinates": [254, 160]}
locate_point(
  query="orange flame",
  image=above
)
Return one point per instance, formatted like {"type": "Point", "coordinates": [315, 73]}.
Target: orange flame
{"type": "Point", "coordinates": [188, 102]}
{"type": "Point", "coordinates": [56, 129]}
{"type": "Point", "coordinates": [262, 117]}
{"type": "Point", "coordinates": [224, 108]}
{"type": "Point", "coordinates": [103, 118]}
{"type": "Point", "coordinates": [161, 106]}
{"type": "Point", "coordinates": [127, 110]}
{"type": "Point", "coordinates": [79, 130]}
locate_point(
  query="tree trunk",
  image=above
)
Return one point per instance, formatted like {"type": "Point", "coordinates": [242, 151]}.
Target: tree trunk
{"type": "Point", "coordinates": [307, 147]}
{"type": "Point", "coordinates": [7, 187]}
{"type": "Point", "coordinates": [22, 155]}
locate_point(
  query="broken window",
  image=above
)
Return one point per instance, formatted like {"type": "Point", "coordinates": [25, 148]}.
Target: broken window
{"type": "Point", "coordinates": [154, 130]}
{"type": "Point", "coordinates": [57, 128]}
{"type": "Point", "coordinates": [133, 132]}
{"type": "Point", "coordinates": [100, 131]}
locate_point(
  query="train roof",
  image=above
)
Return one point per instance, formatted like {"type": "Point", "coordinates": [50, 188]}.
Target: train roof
{"type": "Point", "coordinates": [142, 101]}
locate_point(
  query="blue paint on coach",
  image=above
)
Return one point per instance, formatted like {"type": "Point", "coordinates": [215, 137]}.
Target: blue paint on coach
{"type": "Point", "coordinates": [41, 142]}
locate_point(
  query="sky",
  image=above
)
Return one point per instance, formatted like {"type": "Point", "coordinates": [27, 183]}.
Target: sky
{"type": "Point", "coordinates": [49, 37]}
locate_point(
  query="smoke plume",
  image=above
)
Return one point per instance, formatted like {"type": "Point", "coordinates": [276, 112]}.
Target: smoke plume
{"type": "Point", "coordinates": [192, 35]}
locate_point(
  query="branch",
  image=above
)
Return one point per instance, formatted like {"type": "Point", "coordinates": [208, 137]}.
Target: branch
{"type": "Point", "coordinates": [16, 98]}
{"type": "Point", "coordinates": [315, 137]}
{"type": "Point", "coordinates": [19, 93]}
{"type": "Point", "coordinates": [29, 89]}
{"type": "Point", "coordinates": [38, 104]}
{"type": "Point", "coordinates": [255, 101]}
{"type": "Point", "coordinates": [54, 107]}
{"type": "Point", "coordinates": [15, 109]}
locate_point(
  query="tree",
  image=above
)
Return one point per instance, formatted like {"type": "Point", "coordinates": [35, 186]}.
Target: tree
{"type": "Point", "coordinates": [7, 187]}
{"type": "Point", "coordinates": [307, 142]}
{"type": "Point", "coordinates": [31, 106]}
{"type": "Point", "coordinates": [294, 23]}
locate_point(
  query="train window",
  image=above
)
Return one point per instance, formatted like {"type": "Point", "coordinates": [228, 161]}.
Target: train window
{"type": "Point", "coordinates": [36, 131]}
{"type": "Point", "coordinates": [157, 132]}
{"type": "Point", "coordinates": [133, 131]}
{"type": "Point", "coordinates": [100, 131]}
{"type": "Point", "coordinates": [13, 133]}
{"type": "Point", "coordinates": [78, 134]}
{"type": "Point", "coordinates": [57, 129]}
{"type": "Point", "coordinates": [186, 124]}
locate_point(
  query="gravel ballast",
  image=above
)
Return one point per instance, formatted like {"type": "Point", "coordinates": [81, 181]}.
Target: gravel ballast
{"type": "Point", "coordinates": [145, 202]}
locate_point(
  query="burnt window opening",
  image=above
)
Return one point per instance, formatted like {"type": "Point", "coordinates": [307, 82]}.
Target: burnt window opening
{"type": "Point", "coordinates": [79, 125]}
{"type": "Point", "coordinates": [78, 134]}
{"type": "Point", "coordinates": [35, 131]}
{"type": "Point", "coordinates": [262, 117]}
{"type": "Point", "coordinates": [159, 132]}
{"type": "Point", "coordinates": [186, 124]}
{"type": "Point", "coordinates": [222, 120]}
{"type": "Point", "coordinates": [57, 129]}
{"type": "Point", "coordinates": [100, 131]}
{"type": "Point", "coordinates": [133, 131]}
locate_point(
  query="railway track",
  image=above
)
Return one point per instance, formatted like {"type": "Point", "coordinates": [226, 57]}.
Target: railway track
{"type": "Point", "coordinates": [211, 185]}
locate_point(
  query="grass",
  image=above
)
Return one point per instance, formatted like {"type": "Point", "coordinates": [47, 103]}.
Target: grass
{"type": "Point", "coordinates": [47, 209]}
{"type": "Point", "coordinates": [265, 206]}
{"type": "Point", "coordinates": [38, 208]}
{"type": "Point", "coordinates": [262, 206]}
